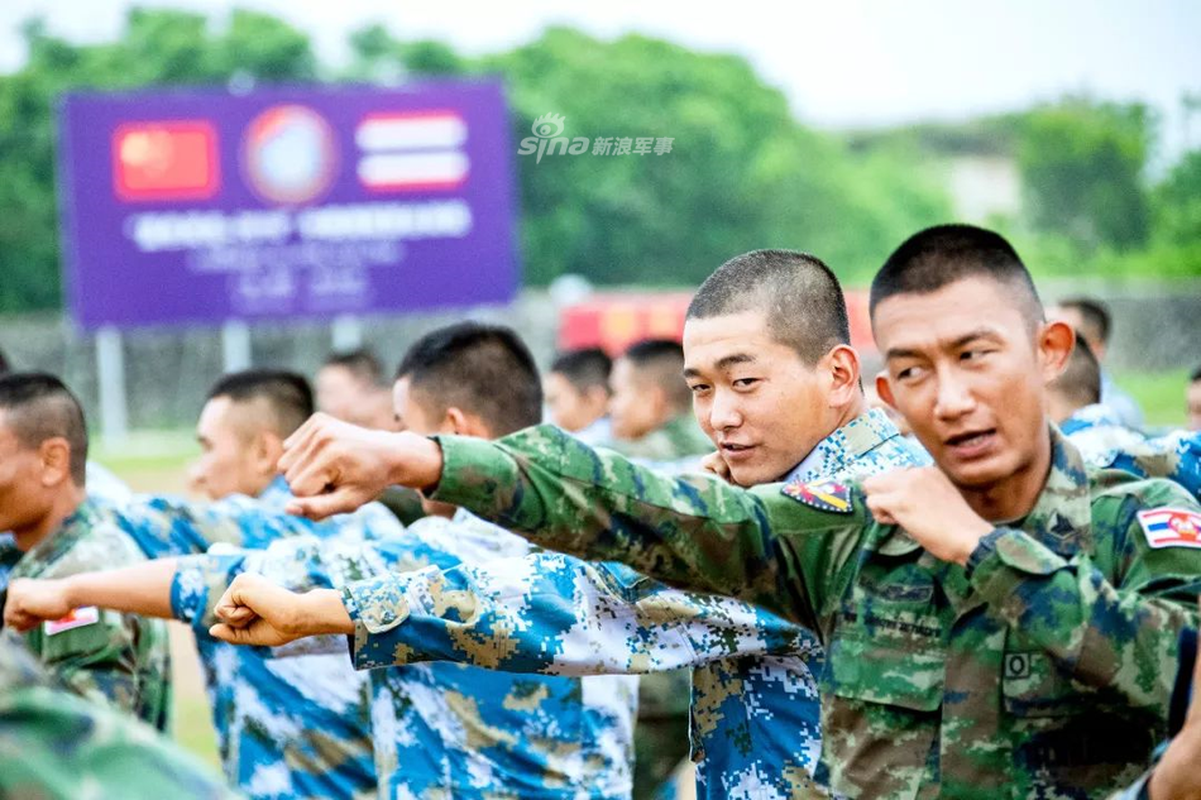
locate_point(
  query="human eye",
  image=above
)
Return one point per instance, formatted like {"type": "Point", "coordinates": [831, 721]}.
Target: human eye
{"type": "Point", "coordinates": [745, 383]}
{"type": "Point", "coordinates": [909, 372]}
{"type": "Point", "coordinates": [698, 388]}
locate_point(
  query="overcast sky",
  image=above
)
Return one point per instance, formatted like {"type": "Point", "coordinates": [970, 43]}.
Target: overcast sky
{"type": "Point", "coordinates": [867, 62]}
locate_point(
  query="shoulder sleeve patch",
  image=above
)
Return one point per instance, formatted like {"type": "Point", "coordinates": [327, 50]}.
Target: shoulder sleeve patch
{"type": "Point", "coordinates": [825, 494]}
{"type": "Point", "coordinates": [1171, 527]}
{"type": "Point", "coordinates": [88, 615]}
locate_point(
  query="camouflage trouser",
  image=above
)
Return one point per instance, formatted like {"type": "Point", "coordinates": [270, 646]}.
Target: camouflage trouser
{"type": "Point", "coordinates": [661, 734]}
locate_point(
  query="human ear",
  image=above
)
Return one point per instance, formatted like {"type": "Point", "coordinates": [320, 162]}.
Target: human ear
{"type": "Point", "coordinates": [55, 453]}
{"type": "Point", "coordinates": [1055, 343]}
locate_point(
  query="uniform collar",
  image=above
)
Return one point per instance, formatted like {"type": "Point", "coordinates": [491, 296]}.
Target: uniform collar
{"type": "Point", "coordinates": [838, 451]}
{"type": "Point", "coordinates": [1090, 416]}
{"type": "Point", "coordinates": [277, 493]}
{"type": "Point", "coordinates": [1062, 515]}
{"type": "Point", "coordinates": [72, 529]}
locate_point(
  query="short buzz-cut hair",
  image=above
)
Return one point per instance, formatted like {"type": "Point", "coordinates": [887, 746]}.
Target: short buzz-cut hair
{"type": "Point", "coordinates": [38, 406]}
{"type": "Point", "coordinates": [1196, 375]}
{"type": "Point", "coordinates": [362, 363]}
{"type": "Point", "coordinates": [799, 294]}
{"type": "Point", "coordinates": [944, 254]}
{"type": "Point", "coordinates": [4, 365]}
{"type": "Point", "coordinates": [1080, 381]}
{"type": "Point", "coordinates": [1094, 314]}
{"type": "Point", "coordinates": [661, 362]}
{"type": "Point", "coordinates": [584, 368]}
{"type": "Point", "coordinates": [481, 369]}
{"type": "Point", "coordinates": [287, 394]}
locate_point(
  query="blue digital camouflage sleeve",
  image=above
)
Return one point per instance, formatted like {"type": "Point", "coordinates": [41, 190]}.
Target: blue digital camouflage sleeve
{"type": "Point", "coordinates": [553, 613]}
{"type": "Point", "coordinates": [695, 532]}
{"type": "Point", "coordinates": [1176, 457]}
{"type": "Point", "coordinates": [299, 563]}
{"type": "Point", "coordinates": [165, 526]}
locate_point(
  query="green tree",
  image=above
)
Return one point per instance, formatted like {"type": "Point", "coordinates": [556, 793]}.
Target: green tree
{"type": "Point", "coordinates": [1177, 203]}
{"type": "Point", "coordinates": [155, 48]}
{"type": "Point", "coordinates": [742, 172]}
{"type": "Point", "coordinates": [1081, 164]}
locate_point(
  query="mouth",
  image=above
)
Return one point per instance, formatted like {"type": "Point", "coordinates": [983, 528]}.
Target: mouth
{"type": "Point", "coordinates": [732, 452]}
{"type": "Point", "coordinates": [973, 444]}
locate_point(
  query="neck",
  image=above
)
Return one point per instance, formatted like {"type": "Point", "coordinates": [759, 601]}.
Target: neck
{"type": "Point", "coordinates": [850, 412]}
{"type": "Point", "coordinates": [1014, 497]}
{"type": "Point", "coordinates": [64, 504]}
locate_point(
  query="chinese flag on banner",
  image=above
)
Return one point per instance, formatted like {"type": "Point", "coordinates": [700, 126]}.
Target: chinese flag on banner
{"type": "Point", "coordinates": [170, 160]}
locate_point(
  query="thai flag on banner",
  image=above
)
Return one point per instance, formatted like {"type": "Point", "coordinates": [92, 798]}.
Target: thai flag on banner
{"type": "Point", "coordinates": [1171, 527]}
{"type": "Point", "coordinates": [410, 151]}
{"type": "Point", "coordinates": [165, 160]}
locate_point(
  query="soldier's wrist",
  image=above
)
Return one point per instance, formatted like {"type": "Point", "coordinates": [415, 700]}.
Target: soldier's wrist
{"type": "Point", "coordinates": [74, 590]}
{"type": "Point", "coordinates": [324, 613]}
{"type": "Point", "coordinates": [986, 546]}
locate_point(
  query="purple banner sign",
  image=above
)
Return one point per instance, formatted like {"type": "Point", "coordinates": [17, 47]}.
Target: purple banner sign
{"type": "Point", "coordinates": [201, 206]}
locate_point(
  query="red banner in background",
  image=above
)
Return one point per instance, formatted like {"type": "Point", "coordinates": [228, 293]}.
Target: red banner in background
{"type": "Point", "coordinates": [613, 322]}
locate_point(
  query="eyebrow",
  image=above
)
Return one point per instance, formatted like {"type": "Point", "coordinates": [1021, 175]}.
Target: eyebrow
{"type": "Point", "coordinates": [909, 352]}
{"type": "Point", "coordinates": [723, 363]}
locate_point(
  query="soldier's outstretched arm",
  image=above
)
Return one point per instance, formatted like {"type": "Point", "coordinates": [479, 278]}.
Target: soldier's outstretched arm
{"type": "Point", "coordinates": [296, 565]}
{"type": "Point", "coordinates": [552, 613]}
{"type": "Point", "coordinates": [1176, 457]}
{"type": "Point", "coordinates": [168, 526]}
{"type": "Point", "coordinates": [143, 589]}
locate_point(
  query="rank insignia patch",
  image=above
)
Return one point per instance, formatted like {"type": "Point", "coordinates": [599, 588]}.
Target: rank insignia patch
{"type": "Point", "coordinates": [826, 495]}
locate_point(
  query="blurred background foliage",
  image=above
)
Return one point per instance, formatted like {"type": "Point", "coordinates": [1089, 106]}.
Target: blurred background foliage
{"type": "Point", "coordinates": [744, 172]}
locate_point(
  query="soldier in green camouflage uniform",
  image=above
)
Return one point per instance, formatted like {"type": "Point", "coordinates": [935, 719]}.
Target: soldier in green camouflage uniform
{"type": "Point", "coordinates": [54, 744]}
{"type": "Point", "coordinates": [1005, 625]}
{"type": "Point", "coordinates": [121, 659]}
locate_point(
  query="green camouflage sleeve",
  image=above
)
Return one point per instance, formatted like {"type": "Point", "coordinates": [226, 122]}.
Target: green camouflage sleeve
{"type": "Point", "coordinates": [694, 532]}
{"type": "Point", "coordinates": [1111, 620]}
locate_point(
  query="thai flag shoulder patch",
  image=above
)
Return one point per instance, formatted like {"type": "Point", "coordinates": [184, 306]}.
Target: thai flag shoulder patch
{"type": "Point", "coordinates": [1171, 527]}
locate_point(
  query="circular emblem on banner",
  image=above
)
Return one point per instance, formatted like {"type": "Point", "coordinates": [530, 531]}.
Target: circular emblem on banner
{"type": "Point", "coordinates": [289, 154]}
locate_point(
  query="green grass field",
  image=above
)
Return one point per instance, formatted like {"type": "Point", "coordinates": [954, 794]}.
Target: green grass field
{"type": "Point", "coordinates": [1161, 394]}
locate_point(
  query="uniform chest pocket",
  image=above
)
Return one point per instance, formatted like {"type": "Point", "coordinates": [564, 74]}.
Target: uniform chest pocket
{"type": "Point", "coordinates": [894, 657]}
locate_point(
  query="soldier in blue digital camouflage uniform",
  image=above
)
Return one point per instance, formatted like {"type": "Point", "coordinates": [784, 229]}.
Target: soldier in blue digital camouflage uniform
{"type": "Point", "coordinates": [1004, 625]}
{"type": "Point", "coordinates": [754, 700]}
{"type": "Point", "coordinates": [1074, 404]}
{"type": "Point", "coordinates": [440, 730]}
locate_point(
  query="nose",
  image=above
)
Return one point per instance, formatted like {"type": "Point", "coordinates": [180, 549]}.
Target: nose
{"type": "Point", "coordinates": [955, 398]}
{"type": "Point", "coordinates": [195, 478]}
{"type": "Point", "coordinates": [724, 412]}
